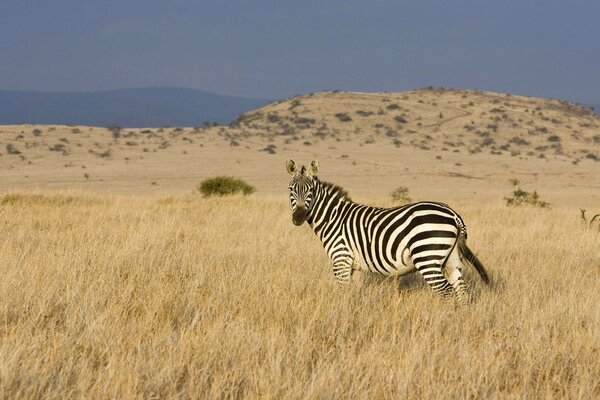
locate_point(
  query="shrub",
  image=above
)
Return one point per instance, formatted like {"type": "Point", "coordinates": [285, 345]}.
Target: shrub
{"type": "Point", "coordinates": [554, 138]}
{"type": "Point", "coordinates": [493, 127]}
{"type": "Point", "coordinates": [592, 156]}
{"type": "Point", "coordinates": [364, 113]}
{"type": "Point", "coordinates": [522, 197]}
{"type": "Point", "coordinates": [400, 195]}
{"type": "Point", "coordinates": [304, 121]}
{"type": "Point", "coordinates": [270, 149]}
{"type": "Point", "coordinates": [115, 130]}
{"type": "Point", "coordinates": [224, 186]}
{"type": "Point", "coordinates": [60, 148]}
{"type": "Point", "coordinates": [104, 154]}
{"type": "Point", "coordinates": [11, 149]}
{"type": "Point", "coordinates": [518, 141]}
{"type": "Point", "coordinates": [488, 141]}
{"type": "Point", "coordinates": [273, 117]}
{"type": "Point", "coordinates": [343, 117]}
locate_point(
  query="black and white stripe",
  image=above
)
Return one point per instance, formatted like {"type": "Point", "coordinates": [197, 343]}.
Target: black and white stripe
{"type": "Point", "coordinates": [427, 237]}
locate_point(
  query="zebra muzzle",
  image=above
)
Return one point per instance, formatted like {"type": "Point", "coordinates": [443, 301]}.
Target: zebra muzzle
{"type": "Point", "coordinates": [299, 216]}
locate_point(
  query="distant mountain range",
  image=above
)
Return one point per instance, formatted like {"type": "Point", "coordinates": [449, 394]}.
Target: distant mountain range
{"type": "Point", "coordinates": [144, 107]}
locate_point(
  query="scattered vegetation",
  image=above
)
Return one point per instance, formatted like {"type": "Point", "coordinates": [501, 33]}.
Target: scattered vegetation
{"type": "Point", "coordinates": [224, 186]}
{"type": "Point", "coordinates": [400, 195]}
{"type": "Point", "coordinates": [521, 197]}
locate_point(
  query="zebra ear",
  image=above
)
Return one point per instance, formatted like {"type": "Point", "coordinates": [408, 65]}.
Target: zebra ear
{"type": "Point", "coordinates": [314, 168]}
{"type": "Point", "coordinates": [290, 165]}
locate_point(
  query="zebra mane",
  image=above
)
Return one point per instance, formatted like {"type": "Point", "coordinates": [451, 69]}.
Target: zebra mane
{"type": "Point", "coordinates": [336, 190]}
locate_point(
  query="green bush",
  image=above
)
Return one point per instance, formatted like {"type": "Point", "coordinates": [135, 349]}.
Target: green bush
{"type": "Point", "coordinates": [225, 186]}
{"type": "Point", "coordinates": [522, 197]}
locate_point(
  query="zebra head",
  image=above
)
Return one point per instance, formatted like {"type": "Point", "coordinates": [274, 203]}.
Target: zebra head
{"type": "Point", "coordinates": [301, 189]}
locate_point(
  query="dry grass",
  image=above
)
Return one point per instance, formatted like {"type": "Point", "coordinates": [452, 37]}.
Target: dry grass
{"type": "Point", "coordinates": [147, 297]}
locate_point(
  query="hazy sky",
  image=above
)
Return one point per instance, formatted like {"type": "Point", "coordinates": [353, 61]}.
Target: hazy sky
{"type": "Point", "coordinates": [278, 48]}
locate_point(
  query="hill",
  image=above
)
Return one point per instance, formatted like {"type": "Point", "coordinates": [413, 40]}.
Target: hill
{"type": "Point", "coordinates": [436, 119]}
{"type": "Point", "coordinates": [128, 107]}
{"type": "Point", "coordinates": [445, 145]}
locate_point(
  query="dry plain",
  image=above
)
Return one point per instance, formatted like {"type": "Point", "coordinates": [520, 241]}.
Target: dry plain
{"type": "Point", "coordinates": [118, 280]}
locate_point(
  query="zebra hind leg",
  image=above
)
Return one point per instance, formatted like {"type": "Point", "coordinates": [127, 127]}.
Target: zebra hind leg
{"type": "Point", "coordinates": [453, 272]}
{"type": "Point", "coordinates": [433, 275]}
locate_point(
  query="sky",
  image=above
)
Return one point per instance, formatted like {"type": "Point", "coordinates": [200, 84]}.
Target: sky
{"type": "Point", "coordinates": [278, 48]}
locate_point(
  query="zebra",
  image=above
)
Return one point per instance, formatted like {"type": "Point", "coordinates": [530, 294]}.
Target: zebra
{"type": "Point", "coordinates": [428, 237]}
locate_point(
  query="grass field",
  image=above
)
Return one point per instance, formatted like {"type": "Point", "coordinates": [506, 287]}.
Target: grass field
{"type": "Point", "coordinates": [114, 296]}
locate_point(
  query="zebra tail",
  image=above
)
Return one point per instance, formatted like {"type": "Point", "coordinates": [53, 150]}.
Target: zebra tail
{"type": "Point", "coordinates": [472, 259]}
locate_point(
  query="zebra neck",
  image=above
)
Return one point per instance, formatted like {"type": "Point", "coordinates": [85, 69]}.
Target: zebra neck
{"type": "Point", "coordinates": [325, 212]}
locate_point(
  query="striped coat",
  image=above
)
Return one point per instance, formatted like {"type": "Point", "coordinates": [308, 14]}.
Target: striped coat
{"type": "Point", "coordinates": [427, 237]}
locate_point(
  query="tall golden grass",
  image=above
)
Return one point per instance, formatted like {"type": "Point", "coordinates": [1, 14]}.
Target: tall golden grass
{"type": "Point", "coordinates": [146, 297]}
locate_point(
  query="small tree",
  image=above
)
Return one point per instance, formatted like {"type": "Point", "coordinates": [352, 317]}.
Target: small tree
{"type": "Point", "coordinates": [115, 130]}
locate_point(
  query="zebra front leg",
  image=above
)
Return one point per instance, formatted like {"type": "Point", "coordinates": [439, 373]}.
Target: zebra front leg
{"type": "Point", "coordinates": [342, 271]}
{"type": "Point", "coordinates": [433, 275]}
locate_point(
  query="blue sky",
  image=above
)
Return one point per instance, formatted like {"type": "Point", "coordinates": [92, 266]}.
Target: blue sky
{"type": "Point", "coordinates": [275, 49]}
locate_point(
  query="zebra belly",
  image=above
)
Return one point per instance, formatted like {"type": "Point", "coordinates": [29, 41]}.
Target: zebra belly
{"type": "Point", "coordinates": [399, 268]}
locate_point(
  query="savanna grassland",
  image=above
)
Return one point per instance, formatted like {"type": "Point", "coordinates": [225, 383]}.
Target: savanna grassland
{"type": "Point", "coordinates": [114, 296]}
{"type": "Point", "coordinates": [118, 280]}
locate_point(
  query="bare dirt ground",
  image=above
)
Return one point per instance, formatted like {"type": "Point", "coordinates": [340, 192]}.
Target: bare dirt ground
{"type": "Point", "coordinates": [441, 144]}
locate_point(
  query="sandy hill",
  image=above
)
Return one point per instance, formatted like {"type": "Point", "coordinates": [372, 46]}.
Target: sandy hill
{"type": "Point", "coordinates": [436, 119]}
{"type": "Point", "coordinates": [441, 144]}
